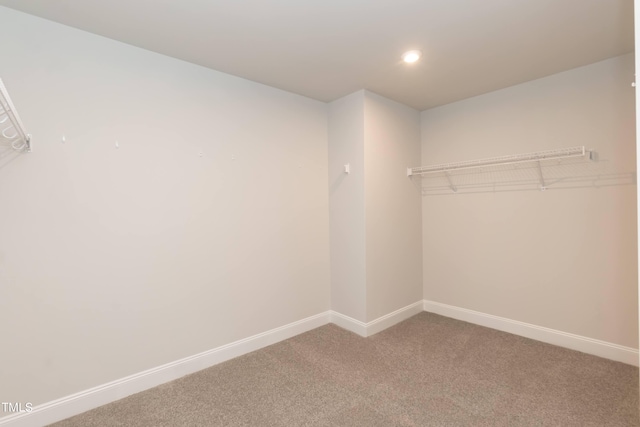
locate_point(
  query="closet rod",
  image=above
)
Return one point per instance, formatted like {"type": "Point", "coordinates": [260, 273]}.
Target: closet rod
{"type": "Point", "coordinates": [15, 132]}
{"type": "Point", "coordinates": [538, 156]}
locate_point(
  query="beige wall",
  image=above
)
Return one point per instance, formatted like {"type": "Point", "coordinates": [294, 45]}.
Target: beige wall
{"type": "Point", "coordinates": [393, 205]}
{"type": "Point", "coordinates": [347, 207]}
{"type": "Point", "coordinates": [113, 261]}
{"type": "Point", "coordinates": [636, 4]}
{"type": "Point", "coordinates": [375, 210]}
{"type": "Point", "coordinates": [564, 258]}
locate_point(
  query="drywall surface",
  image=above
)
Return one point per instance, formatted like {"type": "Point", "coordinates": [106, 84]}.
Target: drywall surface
{"type": "Point", "coordinates": [564, 258]}
{"type": "Point", "coordinates": [375, 221]}
{"type": "Point", "coordinates": [207, 225]}
{"type": "Point", "coordinates": [347, 207]}
{"type": "Point", "coordinates": [636, 12]}
{"type": "Point", "coordinates": [393, 206]}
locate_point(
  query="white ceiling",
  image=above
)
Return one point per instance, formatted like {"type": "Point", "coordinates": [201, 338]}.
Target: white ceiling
{"type": "Point", "coordinates": [325, 49]}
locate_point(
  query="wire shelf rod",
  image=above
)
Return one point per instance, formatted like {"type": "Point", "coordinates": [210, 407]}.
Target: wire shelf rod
{"type": "Point", "coordinates": [558, 154]}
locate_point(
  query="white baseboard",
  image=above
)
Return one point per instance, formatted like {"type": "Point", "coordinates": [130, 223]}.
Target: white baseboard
{"type": "Point", "coordinates": [551, 336]}
{"type": "Point", "coordinates": [89, 399]}
{"type": "Point", "coordinates": [386, 321]}
{"type": "Point", "coordinates": [379, 324]}
{"type": "Point", "coordinates": [349, 323]}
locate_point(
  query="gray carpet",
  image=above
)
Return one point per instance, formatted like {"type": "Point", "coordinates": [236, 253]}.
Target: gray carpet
{"type": "Point", "coordinates": [426, 371]}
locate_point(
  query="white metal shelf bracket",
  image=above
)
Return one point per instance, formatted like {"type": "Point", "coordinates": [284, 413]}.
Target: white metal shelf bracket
{"type": "Point", "coordinates": [543, 186]}
{"type": "Point", "coordinates": [453, 187]}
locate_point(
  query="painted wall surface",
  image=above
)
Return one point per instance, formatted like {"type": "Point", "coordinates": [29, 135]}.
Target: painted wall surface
{"type": "Point", "coordinates": [347, 207]}
{"type": "Point", "coordinates": [375, 209]}
{"type": "Point", "coordinates": [207, 225]}
{"type": "Point", "coordinates": [564, 258]}
{"type": "Point", "coordinates": [393, 206]}
{"type": "Point", "coordinates": [636, 11]}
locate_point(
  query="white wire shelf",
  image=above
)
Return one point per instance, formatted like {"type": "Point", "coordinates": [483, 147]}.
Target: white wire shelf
{"type": "Point", "coordinates": [558, 154]}
{"type": "Point", "coordinates": [12, 131]}
{"type": "Point", "coordinates": [513, 169]}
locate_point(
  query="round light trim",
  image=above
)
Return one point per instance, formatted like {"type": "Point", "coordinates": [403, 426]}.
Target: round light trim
{"type": "Point", "coordinates": [411, 56]}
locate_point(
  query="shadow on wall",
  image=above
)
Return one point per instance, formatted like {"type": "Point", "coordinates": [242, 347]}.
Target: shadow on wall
{"type": "Point", "coordinates": [333, 187]}
{"type": "Point", "coordinates": [8, 154]}
{"type": "Point", "coordinates": [565, 174]}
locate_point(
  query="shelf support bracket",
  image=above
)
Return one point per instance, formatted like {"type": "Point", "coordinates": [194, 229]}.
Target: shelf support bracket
{"type": "Point", "coordinates": [453, 187]}
{"type": "Point", "coordinates": [543, 186]}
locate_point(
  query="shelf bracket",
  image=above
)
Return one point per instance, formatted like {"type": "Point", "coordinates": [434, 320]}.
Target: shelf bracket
{"type": "Point", "coordinates": [543, 186]}
{"type": "Point", "coordinates": [453, 187]}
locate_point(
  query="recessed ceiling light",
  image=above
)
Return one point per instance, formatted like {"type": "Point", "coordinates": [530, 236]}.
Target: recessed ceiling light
{"type": "Point", "coordinates": [411, 56]}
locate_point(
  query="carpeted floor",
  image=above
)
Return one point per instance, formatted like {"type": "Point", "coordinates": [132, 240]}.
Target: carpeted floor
{"type": "Point", "coordinates": [426, 371]}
